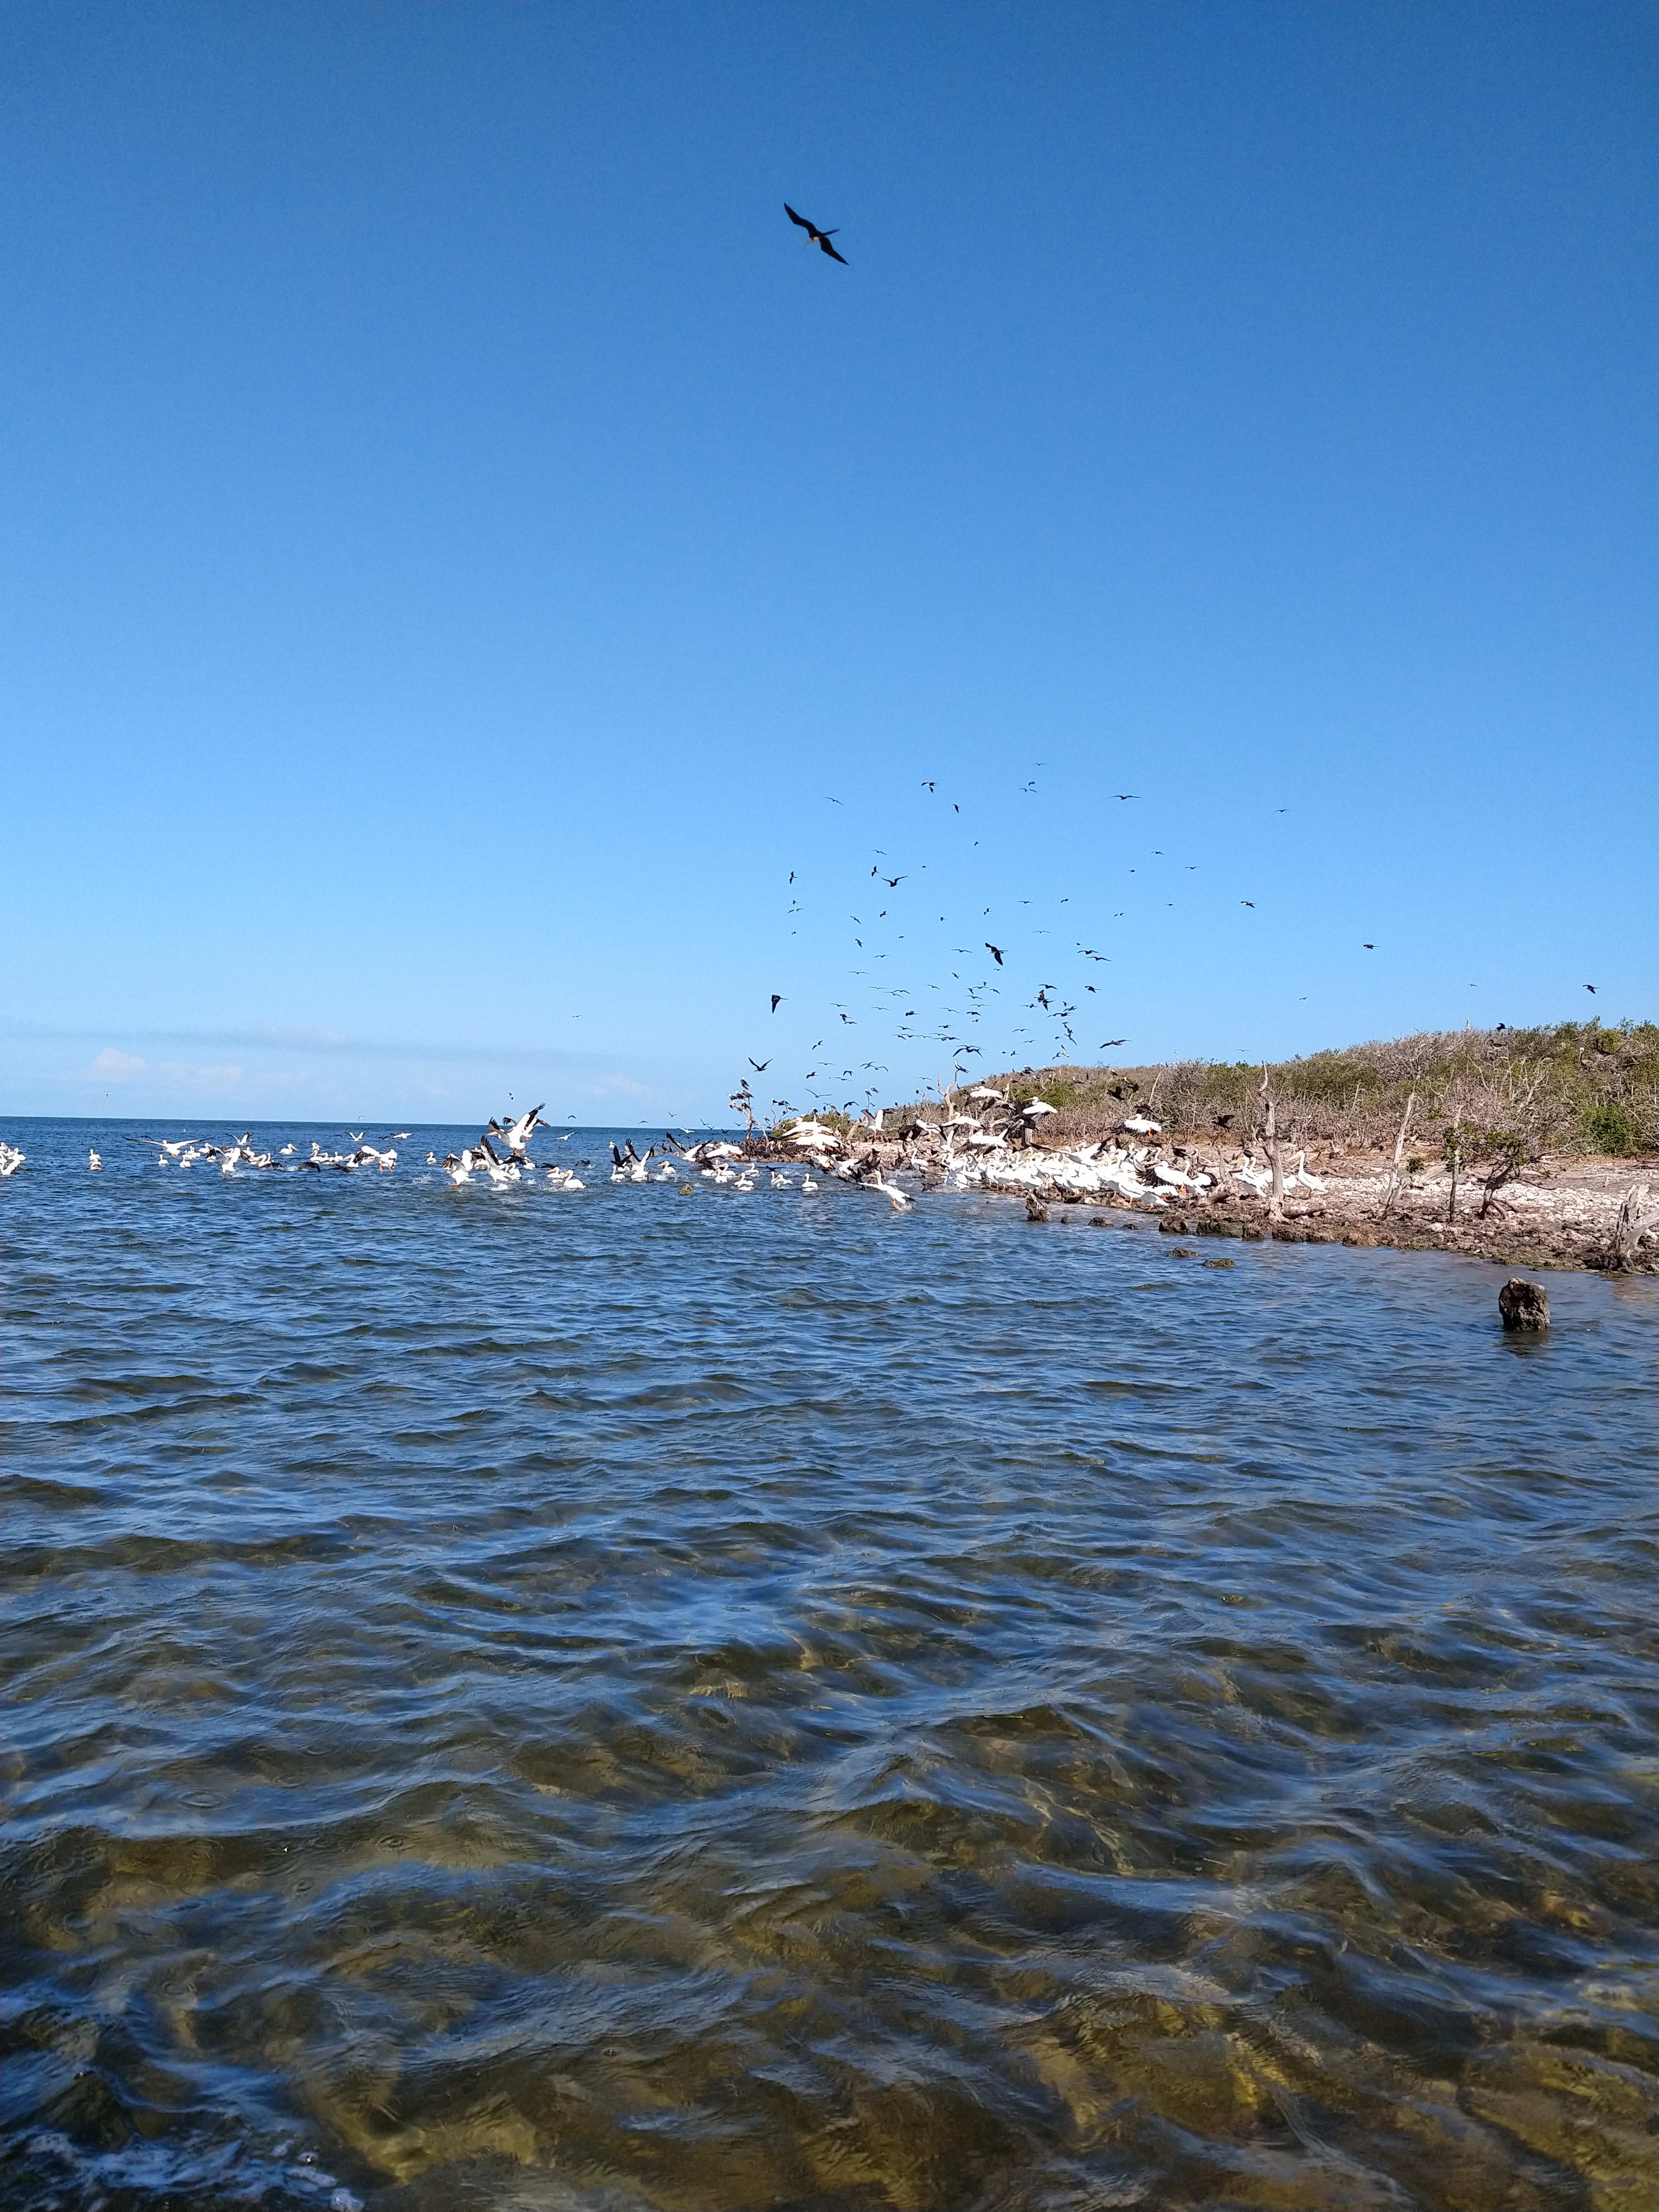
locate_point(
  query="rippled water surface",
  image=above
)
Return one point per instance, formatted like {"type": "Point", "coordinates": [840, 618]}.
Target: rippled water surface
{"type": "Point", "coordinates": [630, 1700]}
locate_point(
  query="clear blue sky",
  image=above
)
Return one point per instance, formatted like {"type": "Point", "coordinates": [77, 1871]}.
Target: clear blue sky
{"type": "Point", "coordinates": [458, 536]}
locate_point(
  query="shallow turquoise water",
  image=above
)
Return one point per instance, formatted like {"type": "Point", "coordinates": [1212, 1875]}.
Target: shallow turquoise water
{"type": "Point", "coordinates": [627, 1700]}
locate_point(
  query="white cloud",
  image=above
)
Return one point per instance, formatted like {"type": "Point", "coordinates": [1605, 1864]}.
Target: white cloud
{"type": "Point", "coordinates": [118, 1066]}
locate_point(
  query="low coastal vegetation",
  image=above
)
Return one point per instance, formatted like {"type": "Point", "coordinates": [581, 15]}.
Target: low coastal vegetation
{"type": "Point", "coordinates": [1583, 1087]}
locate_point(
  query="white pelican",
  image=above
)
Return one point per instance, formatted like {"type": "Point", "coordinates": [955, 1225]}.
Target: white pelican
{"type": "Point", "coordinates": [11, 1160]}
{"type": "Point", "coordinates": [93, 1162]}
{"type": "Point", "coordinates": [517, 1133]}
{"type": "Point", "coordinates": [807, 1183]}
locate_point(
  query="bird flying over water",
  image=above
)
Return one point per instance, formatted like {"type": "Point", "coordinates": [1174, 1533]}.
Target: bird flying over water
{"type": "Point", "coordinates": [820, 238]}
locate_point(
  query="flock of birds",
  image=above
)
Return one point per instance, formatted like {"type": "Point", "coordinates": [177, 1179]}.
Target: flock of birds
{"type": "Point", "coordinates": [982, 1013]}
{"type": "Point", "coordinates": [239, 1154]}
{"type": "Point", "coordinates": [992, 1148]}
{"type": "Point", "coordinates": [1038, 992]}
{"type": "Point", "coordinates": [1033, 993]}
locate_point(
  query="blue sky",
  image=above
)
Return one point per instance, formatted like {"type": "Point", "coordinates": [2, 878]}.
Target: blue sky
{"type": "Point", "coordinates": [460, 539]}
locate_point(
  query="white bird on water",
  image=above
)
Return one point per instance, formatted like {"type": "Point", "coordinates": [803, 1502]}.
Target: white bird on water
{"type": "Point", "coordinates": [11, 1160]}
{"type": "Point", "coordinates": [93, 1162]}
{"type": "Point", "coordinates": [900, 1197]}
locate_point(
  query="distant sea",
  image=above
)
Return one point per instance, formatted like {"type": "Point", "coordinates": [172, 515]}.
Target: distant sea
{"type": "Point", "coordinates": [624, 1700]}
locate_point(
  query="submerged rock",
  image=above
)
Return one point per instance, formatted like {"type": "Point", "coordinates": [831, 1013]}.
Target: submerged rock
{"type": "Point", "coordinates": [1523, 1306]}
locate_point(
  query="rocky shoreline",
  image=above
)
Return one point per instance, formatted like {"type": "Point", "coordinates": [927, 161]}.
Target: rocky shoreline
{"type": "Point", "coordinates": [1565, 1215]}
{"type": "Point", "coordinates": [1565, 1210]}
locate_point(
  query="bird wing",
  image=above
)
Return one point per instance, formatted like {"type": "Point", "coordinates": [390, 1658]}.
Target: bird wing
{"type": "Point", "coordinates": [800, 219]}
{"type": "Point", "coordinates": [825, 246]}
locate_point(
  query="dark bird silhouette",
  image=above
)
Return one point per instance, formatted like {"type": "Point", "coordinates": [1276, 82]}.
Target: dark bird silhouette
{"type": "Point", "coordinates": [996, 954]}
{"type": "Point", "coordinates": [1111, 1042]}
{"type": "Point", "coordinates": [760, 1067]}
{"type": "Point", "coordinates": [777, 1001]}
{"type": "Point", "coordinates": [1247, 901]}
{"type": "Point", "coordinates": [820, 238]}
{"type": "Point", "coordinates": [1128, 794]}
{"type": "Point", "coordinates": [1590, 987]}
{"type": "Point", "coordinates": [1367, 948]}
{"type": "Point", "coordinates": [927, 786]}
{"type": "Point", "coordinates": [892, 882]}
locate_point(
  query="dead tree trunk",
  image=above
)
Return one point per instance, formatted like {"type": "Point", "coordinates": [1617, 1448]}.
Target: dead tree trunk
{"type": "Point", "coordinates": [1399, 1154]}
{"type": "Point", "coordinates": [1275, 1156]}
{"type": "Point", "coordinates": [1629, 1227]}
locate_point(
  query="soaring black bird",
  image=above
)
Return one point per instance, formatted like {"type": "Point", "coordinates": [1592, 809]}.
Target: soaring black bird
{"type": "Point", "coordinates": [994, 951]}
{"type": "Point", "coordinates": [820, 238]}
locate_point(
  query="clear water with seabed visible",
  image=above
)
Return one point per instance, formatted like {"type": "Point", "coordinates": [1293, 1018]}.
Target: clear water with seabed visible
{"type": "Point", "coordinates": [624, 1700]}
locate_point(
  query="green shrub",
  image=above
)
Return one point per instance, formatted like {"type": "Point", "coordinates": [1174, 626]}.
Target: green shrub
{"type": "Point", "coordinates": [1613, 1127]}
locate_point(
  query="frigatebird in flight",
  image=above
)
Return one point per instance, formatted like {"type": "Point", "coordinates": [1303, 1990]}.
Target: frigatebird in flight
{"type": "Point", "coordinates": [820, 238]}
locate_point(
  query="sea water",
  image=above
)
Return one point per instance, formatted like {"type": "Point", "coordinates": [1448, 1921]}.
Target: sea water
{"type": "Point", "coordinates": [628, 1699]}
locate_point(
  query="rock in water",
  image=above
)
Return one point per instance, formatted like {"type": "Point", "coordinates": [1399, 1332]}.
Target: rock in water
{"type": "Point", "coordinates": [1524, 1305]}
{"type": "Point", "coordinates": [1035, 1210]}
